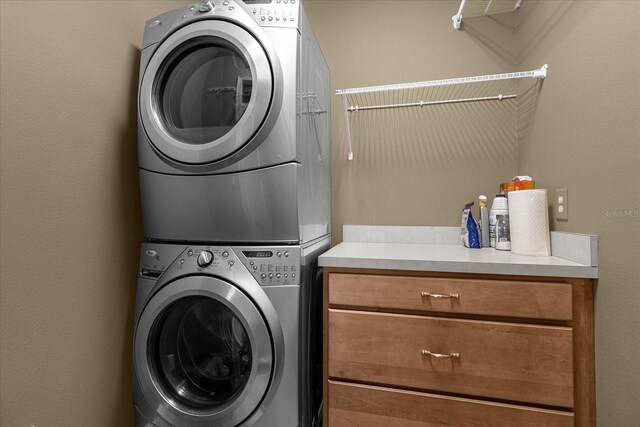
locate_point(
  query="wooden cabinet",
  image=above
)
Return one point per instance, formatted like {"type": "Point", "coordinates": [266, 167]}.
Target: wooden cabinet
{"type": "Point", "coordinates": [421, 349]}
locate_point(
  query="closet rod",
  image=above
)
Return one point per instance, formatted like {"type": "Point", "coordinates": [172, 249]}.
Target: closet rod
{"type": "Point", "coordinates": [536, 74]}
{"type": "Point", "coordinates": [356, 108]}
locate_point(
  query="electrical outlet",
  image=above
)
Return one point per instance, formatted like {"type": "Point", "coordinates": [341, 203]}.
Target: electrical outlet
{"type": "Point", "coordinates": [562, 204]}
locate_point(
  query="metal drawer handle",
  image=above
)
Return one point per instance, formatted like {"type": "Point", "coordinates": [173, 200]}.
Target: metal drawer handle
{"type": "Point", "coordinates": [429, 294]}
{"type": "Point", "coordinates": [440, 355]}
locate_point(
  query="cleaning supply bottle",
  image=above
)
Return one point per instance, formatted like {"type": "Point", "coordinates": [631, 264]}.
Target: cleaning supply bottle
{"type": "Point", "coordinates": [484, 222]}
{"type": "Point", "coordinates": [503, 233]}
{"type": "Point", "coordinates": [498, 207]}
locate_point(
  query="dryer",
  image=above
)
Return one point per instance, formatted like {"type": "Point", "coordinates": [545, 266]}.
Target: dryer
{"type": "Point", "coordinates": [233, 130]}
{"type": "Point", "coordinates": [228, 336]}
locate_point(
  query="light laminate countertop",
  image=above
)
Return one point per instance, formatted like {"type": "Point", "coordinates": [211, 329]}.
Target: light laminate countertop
{"type": "Point", "coordinates": [383, 248]}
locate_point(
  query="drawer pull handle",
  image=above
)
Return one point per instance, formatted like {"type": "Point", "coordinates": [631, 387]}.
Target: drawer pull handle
{"type": "Point", "coordinates": [440, 355]}
{"type": "Point", "coordinates": [429, 294]}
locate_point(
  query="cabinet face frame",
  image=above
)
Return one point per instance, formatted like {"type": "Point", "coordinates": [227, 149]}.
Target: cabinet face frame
{"type": "Point", "coordinates": [582, 291]}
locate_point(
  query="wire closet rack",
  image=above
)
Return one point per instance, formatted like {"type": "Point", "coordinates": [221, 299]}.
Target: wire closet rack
{"type": "Point", "coordinates": [483, 88]}
{"type": "Point", "coordinates": [470, 8]}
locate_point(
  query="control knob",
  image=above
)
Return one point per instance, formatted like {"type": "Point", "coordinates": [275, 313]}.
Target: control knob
{"type": "Point", "coordinates": [205, 6]}
{"type": "Point", "coordinates": [205, 259]}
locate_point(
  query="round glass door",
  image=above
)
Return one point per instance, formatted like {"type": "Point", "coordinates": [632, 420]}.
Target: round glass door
{"type": "Point", "coordinates": [203, 353]}
{"type": "Point", "coordinates": [206, 92]}
{"type": "Point", "coordinates": [200, 352]}
{"type": "Point", "coordinates": [203, 90]}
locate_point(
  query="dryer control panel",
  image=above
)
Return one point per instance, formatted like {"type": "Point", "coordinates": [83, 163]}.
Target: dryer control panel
{"type": "Point", "coordinates": [273, 13]}
{"type": "Point", "coordinates": [267, 13]}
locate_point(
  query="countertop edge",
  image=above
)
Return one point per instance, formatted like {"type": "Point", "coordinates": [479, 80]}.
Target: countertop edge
{"type": "Point", "coordinates": [584, 272]}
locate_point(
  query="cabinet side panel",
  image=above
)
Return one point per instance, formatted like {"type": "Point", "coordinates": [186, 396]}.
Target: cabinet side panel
{"type": "Point", "coordinates": [584, 357]}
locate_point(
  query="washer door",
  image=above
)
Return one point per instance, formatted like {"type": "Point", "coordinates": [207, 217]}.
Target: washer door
{"type": "Point", "coordinates": [203, 353]}
{"type": "Point", "coordinates": [206, 91]}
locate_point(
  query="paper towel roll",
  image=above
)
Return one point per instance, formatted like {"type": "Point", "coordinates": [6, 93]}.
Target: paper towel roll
{"type": "Point", "coordinates": [529, 222]}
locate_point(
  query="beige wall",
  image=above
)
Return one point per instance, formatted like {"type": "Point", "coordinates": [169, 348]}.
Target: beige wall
{"type": "Point", "coordinates": [69, 209]}
{"type": "Point", "coordinates": [585, 136]}
{"type": "Point", "coordinates": [70, 220]}
{"type": "Point", "coordinates": [414, 166]}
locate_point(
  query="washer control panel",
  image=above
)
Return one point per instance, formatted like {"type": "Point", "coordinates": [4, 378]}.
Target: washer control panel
{"type": "Point", "coordinates": [272, 266]}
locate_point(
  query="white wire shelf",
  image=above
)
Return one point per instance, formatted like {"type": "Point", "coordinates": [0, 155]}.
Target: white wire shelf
{"type": "Point", "coordinates": [420, 88]}
{"type": "Point", "coordinates": [470, 8]}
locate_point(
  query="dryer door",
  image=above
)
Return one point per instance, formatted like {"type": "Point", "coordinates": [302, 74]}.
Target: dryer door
{"type": "Point", "coordinates": [203, 353]}
{"type": "Point", "coordinates": [206, 92]}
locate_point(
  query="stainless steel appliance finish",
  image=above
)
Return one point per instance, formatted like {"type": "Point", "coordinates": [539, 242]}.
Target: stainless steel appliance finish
{"type": "Point", "coordinates": [233, 98]}
{"type": "Point", "coordinates": [228, 335]}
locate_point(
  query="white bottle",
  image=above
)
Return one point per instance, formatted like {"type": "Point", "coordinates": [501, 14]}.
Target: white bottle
{"type": "Point", "coordinates": [503, 233]}
{"type": "Point", "coordinates": [499, 206]}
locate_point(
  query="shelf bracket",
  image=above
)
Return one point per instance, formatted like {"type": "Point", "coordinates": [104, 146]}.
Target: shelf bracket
{"type": "Point", "coordinates": [540, 73]}
{"type": "Point", "coordinates": [457, 18]}
{"type": "Point", "coordinates": [347, 127]}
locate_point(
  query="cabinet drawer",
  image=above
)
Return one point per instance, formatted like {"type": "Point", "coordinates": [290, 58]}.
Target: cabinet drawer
{"type": "Point", "coordinates": [522, 363]}
{"type": "Point", "coordinates": [361, 405]}
{"type": "Point", "coordinates": [537, 300]}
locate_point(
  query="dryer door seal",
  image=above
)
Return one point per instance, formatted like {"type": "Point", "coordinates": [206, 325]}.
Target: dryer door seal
{"type": "Point", "coordinates": [206, 92]}
{"type": "Point", "coordinates": [203, 353]}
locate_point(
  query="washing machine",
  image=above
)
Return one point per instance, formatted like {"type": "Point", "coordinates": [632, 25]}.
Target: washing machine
{"type": "Point", "coordinates": [233, 129]}
{"type": "Point", "coordinates": [228, 336]}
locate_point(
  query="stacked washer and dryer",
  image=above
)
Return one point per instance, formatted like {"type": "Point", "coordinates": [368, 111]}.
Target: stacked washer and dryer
{"type": "Point", "coordinates": [233, 148]}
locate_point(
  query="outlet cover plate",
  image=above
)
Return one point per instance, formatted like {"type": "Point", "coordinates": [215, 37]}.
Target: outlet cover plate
{"type": "Point", "coordinates": [562, 204]}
